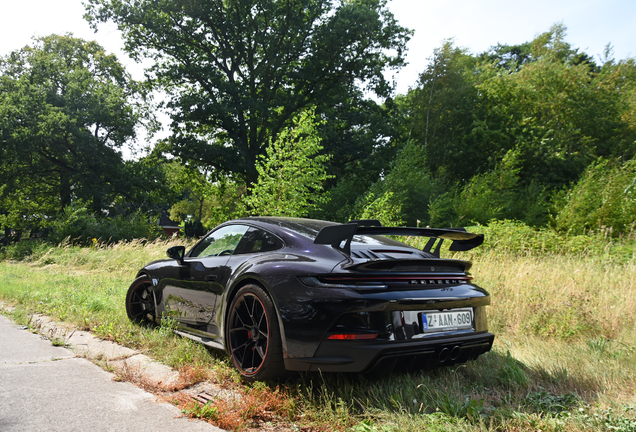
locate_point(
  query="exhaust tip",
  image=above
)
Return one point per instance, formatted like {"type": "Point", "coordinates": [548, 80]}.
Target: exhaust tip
{"type": "Point", "coordinates": [443, 355]}
{"type": "Point", "coordinates": [455, 352]}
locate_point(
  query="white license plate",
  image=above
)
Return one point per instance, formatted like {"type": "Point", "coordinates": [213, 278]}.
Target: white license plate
{"type": "Point", "coordinates": [456, 319]}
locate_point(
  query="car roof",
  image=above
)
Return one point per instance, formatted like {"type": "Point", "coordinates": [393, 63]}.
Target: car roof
{"type": "Point", "coordinates": [309, 228]}
{"type": "Point", "coordinates": [306, 227]}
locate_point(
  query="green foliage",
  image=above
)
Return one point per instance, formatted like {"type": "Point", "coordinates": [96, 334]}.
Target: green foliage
{"type": "Point", "coordinates": [491, 196]}
{"type": "Point", "coordinates": [573, 318]}
{"type": "Point", "coordinates": [207, 411]}
{"type": "Point", "coordinates": [498, 133]}
{"type": "Point", "coordinates": [207, 199]}
{"type": "Point", "coordinates": [608, 348]}
{"type": "Point", "coordinates": [406, 190]}
{"type": "Point", "coordinates": [66, 108]}
{"type": "Point", "coordinates": [441, 112]}
{"type": "Point", "coordinates": [511, 372]}
{"type": "Point", "coordinates": [469, 408]}
{"type": "Point", "coordinates": [557, 111]}
{"type": "Point", "coordinates": [508, 57]}
{"type": "Point", "coordinates": [544, 402]}
{"type": "Point", "coordinates": [517, 238]}
{"type": "Point", "coordinates": [291, 177]}
{"type": "Point", "coordinates": [382, 209]}
{"type": "Point", "coordinates": [616, 422]}
{"type": "Point", "coordinates": [259, 63]}
{"type": "Point", "coordinates": [356, 134]}
{"type": "Point", "coordinates": [23, 249]}
{"type": "Point", "coordinates": [604, 198]}
{"type": "Point", "coordinates": [78, 225]}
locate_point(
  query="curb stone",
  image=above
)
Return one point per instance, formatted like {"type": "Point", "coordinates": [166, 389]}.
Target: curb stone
{"type": "Point", "coordinates": [108, 355]}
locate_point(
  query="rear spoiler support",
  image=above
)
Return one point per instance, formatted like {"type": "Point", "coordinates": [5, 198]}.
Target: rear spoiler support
{"type": "Point", "coordinates": [334, 235]}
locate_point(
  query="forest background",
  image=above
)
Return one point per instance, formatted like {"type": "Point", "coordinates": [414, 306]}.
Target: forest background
{"type": "Point", "coordinates": [286, 111]}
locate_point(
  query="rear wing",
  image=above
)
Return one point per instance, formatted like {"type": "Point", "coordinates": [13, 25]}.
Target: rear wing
{"type": "Point", "coordinates": [334, 235]}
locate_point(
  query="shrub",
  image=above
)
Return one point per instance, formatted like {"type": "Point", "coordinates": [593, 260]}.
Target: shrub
{"type": "Point", "coordinates": [80, 226]}
{"type": "Point", "coordinates": [493, 195]}
{"type": "Point", "coordinates": [409, 186]}
{"type": "Point", "coordinates": [23, 249]}
{"type": "Point", "coordinates": [604, 198]}
{"type": "Point", "coordinates": [382, 209]}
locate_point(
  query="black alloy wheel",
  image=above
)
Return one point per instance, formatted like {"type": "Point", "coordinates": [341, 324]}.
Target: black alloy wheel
{"type": "Point", "coordinates": [253, 335]}
{"type": "Point", "coordinates": [140, 302]}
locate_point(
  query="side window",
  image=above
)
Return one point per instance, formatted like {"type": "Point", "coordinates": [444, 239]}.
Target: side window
{"type": "Point", "coordinates": [220, 242]}
{"type": "Point", "coordinates": [256, 240]}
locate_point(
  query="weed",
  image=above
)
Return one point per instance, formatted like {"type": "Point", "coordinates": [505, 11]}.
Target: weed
{"type": "Point", "coordinates": [368, 426]}
{"type": "Point", "coordinates": [206, 412]}
{"type": "Point", "coordinates": [571, 318]}
{"type": "Point", "coordinates": [511, 372]}
{"type": "Point", "coordinates": [604, 347]}
{"type": "Point", "coordinates": [59, 342]}
{"type": "Point", "coordinates": [247, 406]}
{"type": "Point", "coordinates": [455, 407]}
{"type": "Point", "coordinates": [544, 402]}
{"type": "Point", "coordinates": [615, 422]}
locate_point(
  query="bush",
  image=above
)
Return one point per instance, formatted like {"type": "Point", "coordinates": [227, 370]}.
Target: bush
{"type": "Point", "coordinates": [23, 249]}
{"type": "Point", "coordinates": [409, 186]}
{"type": "Point", "coordinates": [604, 198]}
{"type": "Point", "coordinates": [518, 238]}
{"type": "Point", "coordinates": [493, 195]}
{"type": "Point", "coordinates": [381, 209]}
{"type": "Point", "coordinates": [80, 226]}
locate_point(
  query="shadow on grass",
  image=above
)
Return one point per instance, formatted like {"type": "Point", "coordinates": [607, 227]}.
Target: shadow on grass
{"type": "Point", "coordinates": [494, 383]}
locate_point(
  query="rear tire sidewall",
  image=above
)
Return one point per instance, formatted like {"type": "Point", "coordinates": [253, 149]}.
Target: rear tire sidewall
{"type": "Point", "coordinates": [272, 366]}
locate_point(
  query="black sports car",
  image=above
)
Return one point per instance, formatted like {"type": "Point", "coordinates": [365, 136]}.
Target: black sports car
{"type": "Point", "coordinates": [288, 294]}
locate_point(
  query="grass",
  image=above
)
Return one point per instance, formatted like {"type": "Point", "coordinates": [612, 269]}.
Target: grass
{"type": "Point", "coordinates": [564, 356]}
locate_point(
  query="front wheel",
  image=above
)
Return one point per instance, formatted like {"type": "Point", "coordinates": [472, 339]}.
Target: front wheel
{"type": "Point", "coordinates": [253, 335]}
{"type": "Point", "coordinates": [140, 302]}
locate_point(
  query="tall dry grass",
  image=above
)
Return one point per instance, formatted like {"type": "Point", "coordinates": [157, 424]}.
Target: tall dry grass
{"type": "Point", "coordinates": [122, 258]}
{"type": "Point", "coordinates": [559, 296]}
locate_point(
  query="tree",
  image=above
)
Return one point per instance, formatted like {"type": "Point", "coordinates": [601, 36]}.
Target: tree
{"type": "Point", "coordinates": [205, 198]}
{"type": "Point", "coordinates": [238, 71]}
{"type": "Point", "coordinates": [508, 57]}
{"type": "Point", "coordinates": [292, 174]}
{"type": "Point", "coordinates": [442, 111]}
{"type": "Point", "coordinates": [558, 116]}
{"type": "Point", "coordinates": [66, 108]}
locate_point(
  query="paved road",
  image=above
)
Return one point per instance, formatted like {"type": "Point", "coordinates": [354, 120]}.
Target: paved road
{"type": "Point", "coordinates": [47, 389]}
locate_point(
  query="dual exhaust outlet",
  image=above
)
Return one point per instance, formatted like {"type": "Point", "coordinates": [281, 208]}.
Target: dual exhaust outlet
{"type": "Point", "coordinates": [449, 354]}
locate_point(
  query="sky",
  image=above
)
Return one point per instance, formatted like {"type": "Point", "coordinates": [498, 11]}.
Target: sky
{"type": "Point", "coordinates": [473, 24]}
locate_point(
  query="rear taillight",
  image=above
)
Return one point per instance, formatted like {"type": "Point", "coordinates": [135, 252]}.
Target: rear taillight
{"type": "Point", "coordinates": [353, 336]}
{"type": "Point", "coordinates": [421, 280]}
{"type": "Point", "coordinates": [380, 282]}
{"type": "Point", "coordinates": [351, 283]}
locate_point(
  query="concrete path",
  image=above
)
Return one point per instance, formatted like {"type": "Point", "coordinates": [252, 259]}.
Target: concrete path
{"type": "Point", "coordinates": [44, 388]}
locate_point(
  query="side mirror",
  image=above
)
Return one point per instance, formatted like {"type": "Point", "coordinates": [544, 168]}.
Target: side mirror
{"type": "Point", "coordinates": [176, 252]}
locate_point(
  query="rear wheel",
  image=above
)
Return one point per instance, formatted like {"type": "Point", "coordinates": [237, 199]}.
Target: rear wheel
{"type": "Point", "coordinates": [253, 335]}
{"type": "Point", "coordinates": [140, 302]}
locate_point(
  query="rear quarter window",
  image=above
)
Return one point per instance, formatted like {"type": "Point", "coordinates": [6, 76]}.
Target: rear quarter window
{"type": "Point", "coordinates": [256, 240]}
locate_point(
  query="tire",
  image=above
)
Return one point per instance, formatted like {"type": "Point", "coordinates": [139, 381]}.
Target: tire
{"type": "Point", "coordinates": [253, 335]}
{"type": "Point", "coordinates": [140, 302]}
